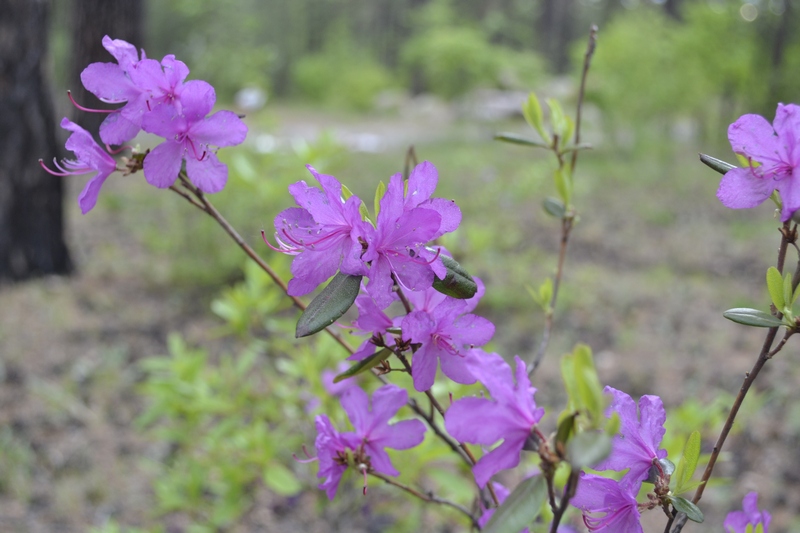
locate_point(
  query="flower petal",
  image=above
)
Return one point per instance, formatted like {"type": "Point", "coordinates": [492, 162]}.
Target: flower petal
{"type": "Point", "coordinates": [753, 136]}
{"type": "Point", "coordinates": [503, 457]}
{"type": "Point", "coordinates": [740, 188]}
{"type": "Point", "coordinates": [163, 163]}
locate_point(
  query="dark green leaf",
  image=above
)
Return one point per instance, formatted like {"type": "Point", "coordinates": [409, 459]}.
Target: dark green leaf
{"type": "Point", "coordinates": [554, 207]}
{"type": "Point", "coordinates": [752, 317]}
{"type": "Point", "coordinates": [688, 508]}
{"type": "Point", "coordinates": [717, 164]}
{"type": "Point", "coordinates": [518, 139]}
{"type": "Point", "coordinates": [330, 304]}
{"type": "Point", "coordinates": [520, 508]}
{"type": "Point", "coordinates": [587, 449]}
{"type": "Point", "coordinates": [457, 282]}
{"type": "Point", "coordinates": [566, 427]}
{"type": "Point", "coordinates": [364, 365]}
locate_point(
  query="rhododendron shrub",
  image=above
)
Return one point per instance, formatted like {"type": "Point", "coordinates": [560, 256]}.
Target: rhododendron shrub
{"type": "Point", "coordinates": [415, 309]}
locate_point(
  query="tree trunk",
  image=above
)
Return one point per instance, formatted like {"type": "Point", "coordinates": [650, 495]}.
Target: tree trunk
{"type": "Point", "coordinates": [31, 215]}
{"type": "Point", "coordinates": [91, 21]}
{"type": "Point", "coordinates": [556, 27]}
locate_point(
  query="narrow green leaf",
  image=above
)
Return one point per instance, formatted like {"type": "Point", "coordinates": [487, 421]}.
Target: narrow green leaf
{"type": "Point", "coordinates": [716, 164]}
{"type": "Point", "coordinates": [787, 291]}
{"type": "Point", "coordinates": [563, 184]}
{"type": "Point", "coordinates": [775, 287]}
{"type": "Point", "coordinates": [559, 120]}
{"type": "Point", "coordinates": [457, 282]}
{"type": "Point", "coordinates": [379, 192]}
{"type": "Point", "coordinates": [532, 111]}
{"type": "Point", "coordinates": [554, 207]}
{"type": "Point", "coordinates": [520, 508]}
{"type": "Point", "coordinates": [688, 463]}
{"type": "Point", "coordinates": [796, 294]}
{"type": "Point", "coordinates": [565, 430]}
{"type": "Point", "coordinates": [688, 508]}
{"type": "Point", "coordinates": [752, 317]}
{"type": "Point", "coordinates": [281, 480]}
{"type": "Point", "coordinates": [587, 449]}
{"type": "Point", "coordinates": [691, 485]}
{"type": "Point", "coordinates": [364, 364]}
{"type": "Point", "coordinates": [330, 304]}
{"type": "Point", "coordinates": [513, 138]}
{"type": "Point", "coordinates": [346, 193]}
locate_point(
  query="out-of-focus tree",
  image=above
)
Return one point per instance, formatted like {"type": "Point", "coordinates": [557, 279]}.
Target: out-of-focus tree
{"type": "Point", "coordinates": [31, 215]}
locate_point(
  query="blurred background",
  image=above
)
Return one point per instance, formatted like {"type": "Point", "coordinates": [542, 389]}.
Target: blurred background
{"type": "Point", "coordinates": [149, 381]}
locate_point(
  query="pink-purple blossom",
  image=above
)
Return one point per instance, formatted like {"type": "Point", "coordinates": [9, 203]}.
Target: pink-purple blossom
{"type": "Point", "coordinates": [188, 136]}
{"type": "Point", "coordinates": [750, 515]}
{"type": "Point", "coordinates": [608, 506]}
{"type": "Point", "coordinates": [445, 333]}
{"type": "Point", "coordinates": [374, 321]}
{"type": "Point", "coordinates": [777, 148]}
{"type": "Point", "coordinates": [323, 233]}
{"type": "Point", "coordinates": [365, 447]}
{"type": "Point", "coordinates": [91, 158]}
{"type": "Point", "coordinates": [636, 447]}
{"type": "Point", "coordinates": [509, 415]}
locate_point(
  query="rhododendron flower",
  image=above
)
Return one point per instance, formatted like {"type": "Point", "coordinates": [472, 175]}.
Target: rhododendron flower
{"type": "Point", "coordinates": [323, 233]}
{"type": "Point", "coordinates": [421, 184]}
{"type": "Point", "coordinates": [777, 148]}
{"type": "Point", "coordinates": [364, 448]}
{"type": "Point", "coordinates": [332, 455]}
{"type": "Point", "coordinates": [737, 521]}
{"type": "Point", "coordinates": [510, 415]}
{"type": "Point", "coordinates": [608, 506]}
{"type": "Point", "coordinates": [188, 137]}
{"type": "Point", "coordinates": [445, 333]}
{"type": "Point", "coordinates": [636, 445]}
{"type": "Point", "coordinates": [373, 432]}
{"type": "Point", "coordinates": [91, 158]}
{"type": "Point", "coordinates": [375, 322]}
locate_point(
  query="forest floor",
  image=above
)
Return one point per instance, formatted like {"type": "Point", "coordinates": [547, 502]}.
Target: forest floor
{"type": "Point", "coordinates": [648, 274]}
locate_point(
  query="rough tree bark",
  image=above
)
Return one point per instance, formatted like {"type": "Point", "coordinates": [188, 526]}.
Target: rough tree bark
{"type": "Point", "coordinates": [31, 216]}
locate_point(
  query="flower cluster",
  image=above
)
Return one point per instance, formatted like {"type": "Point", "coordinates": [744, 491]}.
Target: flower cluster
{"type": "Point", "coordinates": [157, 100]}
{"type": "Point", "coordinates": [738, 521]}
{"type": "Point", "coordinates": [364, 448]}
{"type": "Point", "coordinates": [608, 505]}
{"type": "Point", "coordinates": [327, 234]}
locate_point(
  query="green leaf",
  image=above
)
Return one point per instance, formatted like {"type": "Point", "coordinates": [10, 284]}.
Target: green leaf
{"type": "Point", "coordinates": [520, 508]}
{"type": "Point", "coordinates": [554, 207]}
{"type": "Point", "coordinates": [379, 192]}
{"type": "Point", "coordinates": [513, 138]}
{"type": "Point", "coordinates": [587, 449]}
{"type": "Point", "coordinates": [532, 111]}
{"type": "Point", "coordinates": [563, 182]}
{"type": "Point", "coordinates": [457, 282]}
{"type": "Point", "coordinates": [364, 365]}
{"type": "Point", "coordinates": [565, 430]}
{"type": "Point", "coordinates": [688, 463]}
{"type": "Point", "coordinates": [686, 507]}
{"type": "Point", "coordinates": [775, 287]}
{"type": "Point", "coordinates": [717, 164]}
{"type": "Point", "coordinates": [558, 120]}
{"type": "Point", "coordinates": [752, 317]}
{"type": "Point", "coordinates": [788, 297]}
{"type": "Point", "coordinates": [330, 304]}
{"type": "Point", "coordinates": [346, 193]}
{"type": "Point", "coordinates": [281, 480]}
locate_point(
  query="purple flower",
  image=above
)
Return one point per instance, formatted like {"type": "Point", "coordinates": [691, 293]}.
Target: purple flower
{"type": "Point", "coordinates": [373, 432]}
{"type": "Point", "coordinates": [510, 415]}
{"type": "Point", "coordinates": [364, 447]}
{"type": "Point", "coordinates": [737, 521]}
{"type": "Point", "coordinates": [91, 158]}
{"type": "Point", "coordinates": [397, 246]}
{"type": "Point", "coordinates": [323, 233]}
{"type": "Point", "coordinates": [188, 137]}
{"type": "Point", "coordinates": [777, 148]}
{"type": "Point", "coordinates": [445, 334]}
{"type": "Point", "coordinates": [374, 321]}
{"type": "Point", "coordinates": [421, 184]}
{"type": "Point", "coordinates": [332, 455]}
{"type": "Point", "coordinates": [608, 506]}
{"type": "Point", "coordinates": [636, 447]}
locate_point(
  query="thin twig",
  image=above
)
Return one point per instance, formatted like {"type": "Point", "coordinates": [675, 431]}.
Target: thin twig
{"type": "Point", "coordinates": [569, 492]}
{"type": "Point", "coordinates": [764, 356]}
{"type": "Point", "coordinates": [428, 497]}
{"type": "Point", "coordinates": [587, 62]}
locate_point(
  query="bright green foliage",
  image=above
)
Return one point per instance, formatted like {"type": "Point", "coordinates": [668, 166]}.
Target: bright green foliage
{"type": "Point", "coordinates": [226, 424]}
{"type": "Point", "coordinates": [532, 111]}
{"type": "Point", "coordinates": [520, 508]}
{"type": "Point", "coordinates": [584, 391]}
{"type": "Point", "coordinates": [543, 295]}
{"type": "Point", "coordinates": [775, 287]}
{"type": "Point", "coordinates": [687, 464]}
{"type": "Point", "coordinates": [380, 191]}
